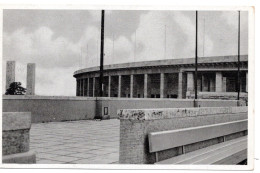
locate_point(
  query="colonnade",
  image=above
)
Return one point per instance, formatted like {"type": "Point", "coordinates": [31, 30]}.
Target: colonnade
{"type": "Point", "coordinates": [159, 85]}
{"type": "Point", "coordinates": [134, 86]}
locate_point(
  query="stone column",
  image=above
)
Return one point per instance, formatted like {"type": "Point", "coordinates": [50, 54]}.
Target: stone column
{"type": "Point", "coordinates": [88, 88]}
{"type": "Point", "coordinates": [180, 86]}
{"type": "Point", "coordinates": [162, 85]}
{"type": "Point", "coordinates": [119, 85]}
{"type": "Point", "coordinates": [224, 84]}
{"type": "Point", "coordinates": [30, 82]}
{"type": "Point", "coordinates": [190, 81]}
{"type": "Point", "coordinates": [80, 89]}
{"type": "Point", "coordinates": [131, 85]}
{"type": "Point", "coordinates": [204, 83]}
{"type": "Point", "coordinates": [219, 82]}
{"type": "Point", "coordinates": [240, 85]}
{"type": "Point", "coordinates": [77, 87]}
{"type": "Point", "coordinates": [94, 88]}
{"type": "Point", "coordinates": [145, 85]}
{"type": "Point", "coordinates": [10, 73]}
{"type": "Point", "coordinates": [109, 86]}
{"type": "Point", "coordinates": [246, 81]}
{"type": "Point", "coordinates": [83, 87]}
{"type": "Point", "coordinates": [212, 85]}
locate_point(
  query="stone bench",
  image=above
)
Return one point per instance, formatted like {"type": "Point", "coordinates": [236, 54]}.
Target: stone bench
{"type": "Point", "coordinates": [136, 124]}
{"type": "Point", "coordinates": [16, 138]}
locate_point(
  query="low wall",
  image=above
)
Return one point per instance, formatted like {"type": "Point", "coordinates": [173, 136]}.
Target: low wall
{"type": "Point", "coordinates": [16, 138]}
{"type": "Point", "coordinates": [135, 124]}
{"type": "Point", "coordinates": [47, 108]}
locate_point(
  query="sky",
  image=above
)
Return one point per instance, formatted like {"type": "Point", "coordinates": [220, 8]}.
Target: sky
{"type": "Point", "coordinates": [63, 41]}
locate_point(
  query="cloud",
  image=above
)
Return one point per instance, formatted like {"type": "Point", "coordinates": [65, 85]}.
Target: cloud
{"type": "Point", "coordinates": [69, 24]}
{"type": "Point", "coordinates": [164, 35]}
{"type": "Point", "coordinates": [65, 41]}
{"type": "Point", "coordinates": [171, 34]}
{"type": "Point", "coordinates": [56, 59]}
{"type": "Point", "coordinates": [40, 47]}
{"type": "Point", "coordinates": [221, 29]}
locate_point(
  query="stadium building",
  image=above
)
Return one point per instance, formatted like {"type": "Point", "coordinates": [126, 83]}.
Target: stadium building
{"type": "Point", "coordinates": [171, 78]}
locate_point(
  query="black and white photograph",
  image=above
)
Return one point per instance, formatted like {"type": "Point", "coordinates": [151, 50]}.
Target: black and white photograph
{"type": "Point", "coordinates": [160, 88]}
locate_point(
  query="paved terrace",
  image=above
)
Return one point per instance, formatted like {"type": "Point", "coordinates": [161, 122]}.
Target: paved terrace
{"type": "Point", "coordinates": [76, 142]}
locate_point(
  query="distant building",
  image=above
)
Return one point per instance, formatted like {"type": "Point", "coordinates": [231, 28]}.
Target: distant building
{"type": "Point", "coordinates": [171, 78]}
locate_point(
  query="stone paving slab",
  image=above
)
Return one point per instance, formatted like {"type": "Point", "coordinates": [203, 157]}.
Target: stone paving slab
{"type": "Point", "coordinates": [76, 142]}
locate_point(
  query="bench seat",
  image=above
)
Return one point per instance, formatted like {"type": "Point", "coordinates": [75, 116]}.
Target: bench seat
{"type": "Point", "coordinates": [228, 153]}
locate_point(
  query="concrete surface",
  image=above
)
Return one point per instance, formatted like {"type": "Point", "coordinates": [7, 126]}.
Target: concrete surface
{"type": "Point", "coordinates": [76, 142]}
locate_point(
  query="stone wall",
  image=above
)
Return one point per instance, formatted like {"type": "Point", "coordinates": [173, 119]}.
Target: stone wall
{"type": "Point", "coordinates": [135, 125]}
{"type": "Point", "coordinates": [16, 138]}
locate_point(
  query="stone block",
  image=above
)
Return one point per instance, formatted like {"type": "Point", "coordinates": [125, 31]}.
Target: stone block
{"type": "Point", "coordinates": [16, 121]}
{"type": "Point", "coordinates": [21, 158]}
{"type": "Point", "coordinates": [15, 132]}
{"type": "Point", "coordinates": [16, 141]}
{"type": "Point", "coordinates": [16, 138]}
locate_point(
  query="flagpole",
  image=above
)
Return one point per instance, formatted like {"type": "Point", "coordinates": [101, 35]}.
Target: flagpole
{"type": "Point", "coordinates": [101, 55]}
{"type": "Point", "coordinates": [238, 58]}
{"type": "Point", "coordinates": [98, 113]}
{"type": "Point", "coordinates": [196, 55]}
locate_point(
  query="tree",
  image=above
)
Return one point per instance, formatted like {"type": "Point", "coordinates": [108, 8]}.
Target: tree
{"type": "Point", "coordinates": [15, 88]}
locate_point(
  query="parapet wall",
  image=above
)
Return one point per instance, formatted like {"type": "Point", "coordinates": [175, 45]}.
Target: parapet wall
{"type": "Point", "coordinates": [48, 108]}
{"type": "Point", "coordinates": [135, 124]}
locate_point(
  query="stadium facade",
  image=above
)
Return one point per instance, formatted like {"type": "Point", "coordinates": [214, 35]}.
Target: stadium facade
{"type": "Point", "coordinates": [171, 78]}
